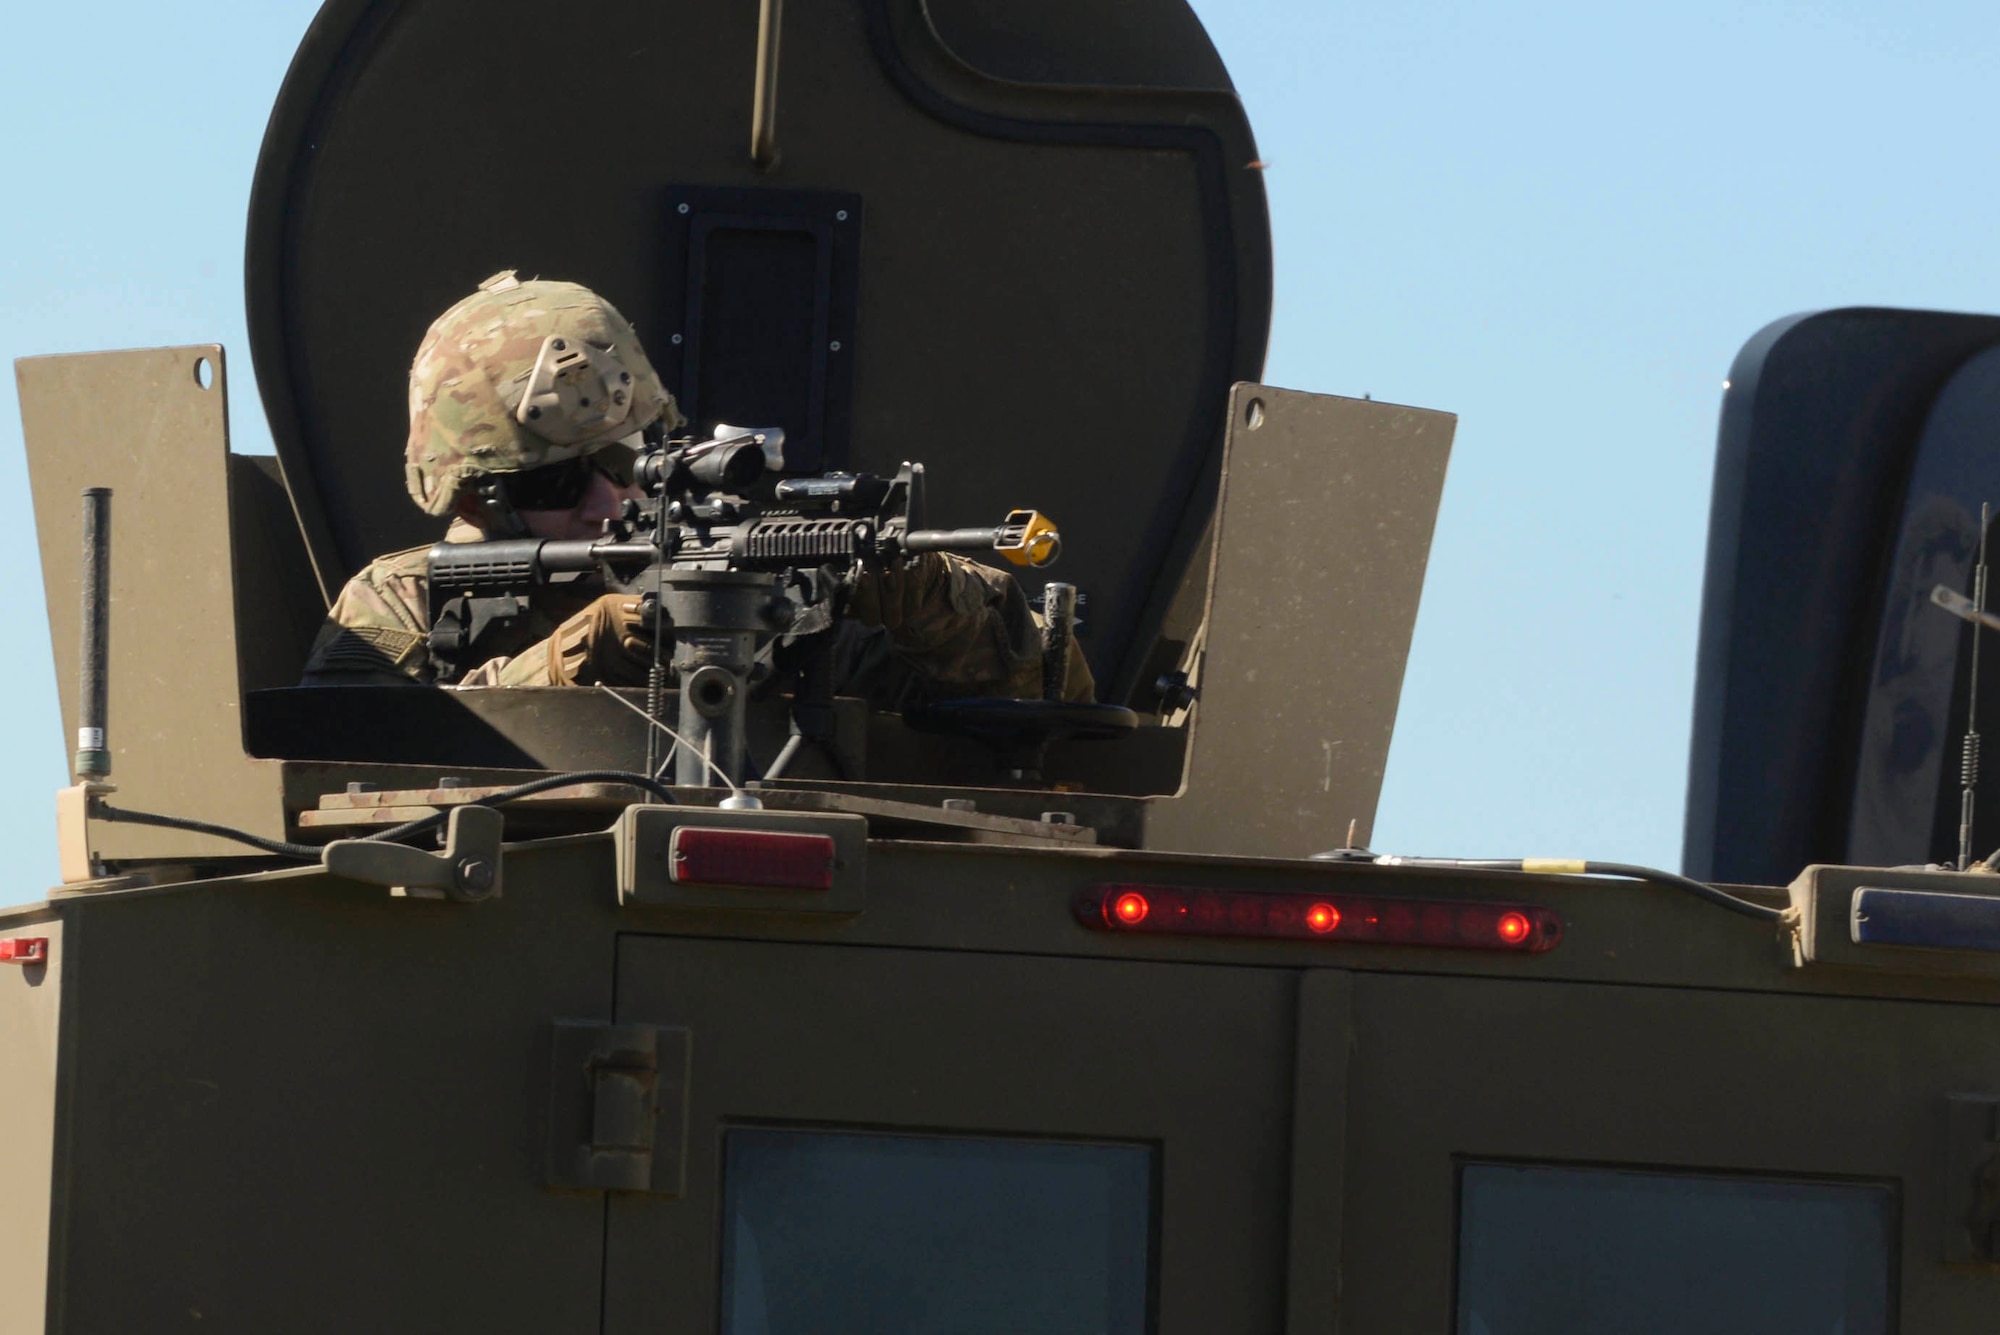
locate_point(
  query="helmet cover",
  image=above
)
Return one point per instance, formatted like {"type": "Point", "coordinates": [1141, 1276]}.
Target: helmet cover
{"type": "Point", "coordinates": [519, 375]}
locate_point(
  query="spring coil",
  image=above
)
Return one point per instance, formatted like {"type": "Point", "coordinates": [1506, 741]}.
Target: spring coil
{"type": "Point", "coordinates": [656, 701]}
{"type": "Point", "coordinates": [1968, 761]}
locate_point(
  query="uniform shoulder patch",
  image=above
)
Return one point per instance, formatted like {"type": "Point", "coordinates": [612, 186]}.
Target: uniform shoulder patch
{"type": "Point", "coordinates": [371, 649]}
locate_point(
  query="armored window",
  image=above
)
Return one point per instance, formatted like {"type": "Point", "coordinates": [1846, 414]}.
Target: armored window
{"type": "Point", "coordinates": [1577, 1251]}
{"type": "Point", "coordinates": [829, 1231]}
{"type": "Point", "coordinates": [764, 283]}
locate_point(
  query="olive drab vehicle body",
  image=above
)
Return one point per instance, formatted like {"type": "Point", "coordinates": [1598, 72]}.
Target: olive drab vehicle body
{"type": "Point", "coordinates": [938, 1032]}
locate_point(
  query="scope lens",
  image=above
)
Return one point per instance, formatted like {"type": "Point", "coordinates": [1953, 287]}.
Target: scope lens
{"type": "Point", "coordinates": [729, 466]}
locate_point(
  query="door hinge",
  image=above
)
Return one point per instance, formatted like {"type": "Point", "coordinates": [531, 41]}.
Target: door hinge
{"type": "Point", "coordinates": [1972, 1180]}
{"type": "Point", "coordinates": [618, 1107]}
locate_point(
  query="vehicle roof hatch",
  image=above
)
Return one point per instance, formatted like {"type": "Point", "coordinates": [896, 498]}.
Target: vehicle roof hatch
{"type": "Point", "coordinates": [1030, 250]}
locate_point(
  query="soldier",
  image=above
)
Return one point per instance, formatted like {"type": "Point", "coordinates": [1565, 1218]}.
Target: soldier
{"type": "Point", "coordinates": [528, 403]}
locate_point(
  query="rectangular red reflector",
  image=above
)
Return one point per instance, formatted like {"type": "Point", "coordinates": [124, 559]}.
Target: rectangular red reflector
{"type": "Point", "coordinates": [766, 859]}
{"type": "Point", "coordinates": [24, 949]}
{"type": "Point", "coordinates": [1184, 911]}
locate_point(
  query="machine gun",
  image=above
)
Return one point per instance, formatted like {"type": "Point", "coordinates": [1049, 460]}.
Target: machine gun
{"type": "Point", "coordinates": [733, 556]}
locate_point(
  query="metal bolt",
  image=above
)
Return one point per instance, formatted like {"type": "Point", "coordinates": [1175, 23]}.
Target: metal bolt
{"type": "Point", "coordinates": [355, 789]}
{"type": "Point", "coordinates": [1058, 818]}
{"type": "Point", "coordinates": [475, 875]}
{"type": "Point", "coordinates": [682, 209]}
{"type": "Point", "coordinates": [834, 346]}
{"type": "Point", "coordinates": [959, 804]}
{"type": "Point", "coordinates": [840, 215]}
{"type": "Point", "coordinates": [1174, 692]}
{"type": "Point", "coordinates": [451, 781]}
{"type": "Point", "coordinates": [677, 340]}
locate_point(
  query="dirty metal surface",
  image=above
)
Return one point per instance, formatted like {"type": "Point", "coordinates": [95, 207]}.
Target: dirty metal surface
{"type": "Point", "coordinates": [144, 424]}
{"type": "Point", "coordinates": [345, 810]}
{"type": "Point", "coordinates": [1323, 535]}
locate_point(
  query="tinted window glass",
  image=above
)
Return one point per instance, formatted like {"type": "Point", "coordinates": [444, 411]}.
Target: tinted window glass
{"type": "Point", "coordinates": [1568, 1251]}
{"type": "Point", "coordinates": [830, 1233]}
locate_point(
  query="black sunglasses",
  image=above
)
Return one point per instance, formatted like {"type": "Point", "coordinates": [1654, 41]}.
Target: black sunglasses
{"type": "Point", "coordinates": [562, 486]}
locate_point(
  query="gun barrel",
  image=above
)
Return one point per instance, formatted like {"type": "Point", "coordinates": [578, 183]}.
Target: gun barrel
{"type": "Point", "coordinates": [951, 540]}
{"type": "Point", "coordinates": [1027, 538]}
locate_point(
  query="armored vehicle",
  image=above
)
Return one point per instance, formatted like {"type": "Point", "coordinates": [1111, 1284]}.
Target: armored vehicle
{"type": "Point", "coordinates": [420, 1009]}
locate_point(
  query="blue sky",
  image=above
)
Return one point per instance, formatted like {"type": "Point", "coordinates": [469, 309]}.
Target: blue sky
{"type": "Point", "coordinates": [1558, 220]}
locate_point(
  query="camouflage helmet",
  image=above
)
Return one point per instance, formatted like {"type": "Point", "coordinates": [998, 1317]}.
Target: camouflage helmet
{"type": "Point", "coordinates": [519, 375]}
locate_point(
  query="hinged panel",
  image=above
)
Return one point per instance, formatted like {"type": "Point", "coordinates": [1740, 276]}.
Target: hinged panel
{"type": "Point", "coordinates": [1327, 510]}
{"type": "Point", "coordinates": [152, 425]}
{"type": "Point", "coordinates": [618, 1107]}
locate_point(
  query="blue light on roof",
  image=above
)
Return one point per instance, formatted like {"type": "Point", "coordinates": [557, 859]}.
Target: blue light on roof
{"type": "Point", "coordinates": [1926, 919]}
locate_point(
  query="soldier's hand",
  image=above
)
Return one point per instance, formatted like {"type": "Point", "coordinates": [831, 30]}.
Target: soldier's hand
{"type": "Point", "coordinates": [607, 642]}
{"type": "Point", "coordinates": [897, 593]}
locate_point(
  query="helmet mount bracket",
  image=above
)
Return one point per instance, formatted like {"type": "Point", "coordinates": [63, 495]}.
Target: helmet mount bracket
{"type": "Point", "coordinates": [575, 392]}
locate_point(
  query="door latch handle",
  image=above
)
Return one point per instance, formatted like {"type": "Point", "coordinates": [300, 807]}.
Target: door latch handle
{"type": "Point", "coordinates": [468, 870]}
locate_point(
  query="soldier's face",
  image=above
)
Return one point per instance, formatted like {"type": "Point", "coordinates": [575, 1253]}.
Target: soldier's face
{"type": "Point", "coordinates": [600, 501]}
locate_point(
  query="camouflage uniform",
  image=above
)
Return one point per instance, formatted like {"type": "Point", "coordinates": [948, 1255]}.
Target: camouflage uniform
{"type": "Point", "coordinates": [377, 632]}
{"type": "Point", "coordinates": [944, 626]}
{"type": "Point", "coordinates": [521, 375]}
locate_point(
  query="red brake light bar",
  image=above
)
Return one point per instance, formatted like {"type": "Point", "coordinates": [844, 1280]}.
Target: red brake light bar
{"type": "Point", "coordinates": [765, 859]}
{"type": "Point", "coordinates": [1183, 911]}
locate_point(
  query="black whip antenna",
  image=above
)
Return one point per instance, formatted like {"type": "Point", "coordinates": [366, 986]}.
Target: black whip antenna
{"type": "Point", "coordinates": [1968, 760]}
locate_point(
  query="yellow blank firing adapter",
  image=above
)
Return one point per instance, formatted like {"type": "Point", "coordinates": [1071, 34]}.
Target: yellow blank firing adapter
{"type": "Point", "coordinates": [1028, 538]}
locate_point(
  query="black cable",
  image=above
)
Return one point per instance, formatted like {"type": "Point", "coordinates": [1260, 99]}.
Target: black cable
{"type": "Point", "coordinates": [1624, 870]}
{"type": "Point", "coordinates": [105, 811]}
{"type": "Point", "coordinates": [311, 852]}
{"type": "Point", "coordinates": [529, 789]}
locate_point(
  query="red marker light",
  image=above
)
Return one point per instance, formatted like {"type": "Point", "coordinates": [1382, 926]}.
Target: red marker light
{"type": "Point", "coordinates": [765, 859]}
{"type": "Point", "coordinates": [24, 950]}
{"type": "Point", "coordinates": [1176, 910]}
